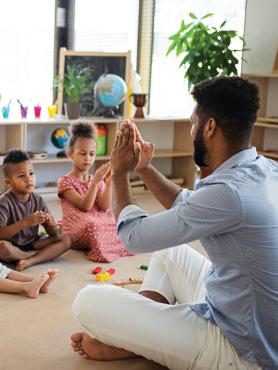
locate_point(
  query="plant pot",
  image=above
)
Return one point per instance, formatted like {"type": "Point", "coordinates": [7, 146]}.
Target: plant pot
{"type": "Point", "coordinates": [73, 110]}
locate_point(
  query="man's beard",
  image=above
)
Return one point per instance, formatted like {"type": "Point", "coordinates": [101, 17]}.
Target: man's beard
{"type": "Point", "coordinates": [200, 150]}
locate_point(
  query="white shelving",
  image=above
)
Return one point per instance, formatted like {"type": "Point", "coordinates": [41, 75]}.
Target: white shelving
{"type": "Point", "coordinates": [173, 153]}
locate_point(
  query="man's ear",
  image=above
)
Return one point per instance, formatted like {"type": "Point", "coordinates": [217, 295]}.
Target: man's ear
{"type": "Point", "coordinates": [210, 127]}
{"type": "Point", "coordinates": [69, 153]}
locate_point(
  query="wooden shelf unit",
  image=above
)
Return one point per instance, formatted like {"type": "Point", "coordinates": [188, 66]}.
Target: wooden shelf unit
{"type": "Point", "coordinates": [265, 132]}
{"type": "Point", "coordinates": [171, 136]}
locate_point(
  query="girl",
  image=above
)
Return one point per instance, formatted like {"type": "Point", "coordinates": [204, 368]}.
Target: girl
{"type": "Point", "coordinates": [86, 199]}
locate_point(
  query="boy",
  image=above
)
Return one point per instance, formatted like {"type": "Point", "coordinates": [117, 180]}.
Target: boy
{"type": "Point", "coordinates": [21, 213]}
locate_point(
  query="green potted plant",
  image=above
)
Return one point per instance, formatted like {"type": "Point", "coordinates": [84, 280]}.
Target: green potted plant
{"type": "Point", "coordinates": [206, 50]}
{"type": "Point", "coordinates": [77, 81]}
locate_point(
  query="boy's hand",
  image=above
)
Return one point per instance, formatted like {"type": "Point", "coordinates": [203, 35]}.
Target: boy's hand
{"type": "Point", "coordinates": [49, 220]}
{"type": "Point", "coordinates": [102, 172]}
{"type": "Point", "coordinates": [34, 219]}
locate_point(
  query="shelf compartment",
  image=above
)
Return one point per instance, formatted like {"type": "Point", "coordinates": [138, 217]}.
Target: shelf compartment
{"type": "Point", "coordinates": [268, 154]}
{"type": "Point", "coordinates": [167, 153]}
{"type": "Point", "coordinates": [54, 159]}
{"type": "Point", "coordinates": [267, 122]}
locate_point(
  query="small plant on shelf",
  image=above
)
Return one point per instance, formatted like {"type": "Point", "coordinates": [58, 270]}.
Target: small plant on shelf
{"type": "Point", "coordinates": [77, 82]}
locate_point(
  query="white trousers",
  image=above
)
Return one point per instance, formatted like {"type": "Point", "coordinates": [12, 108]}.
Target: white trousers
{"type": "Point", "coordinates": [172, 335]}
{"type": "Point", "coordinates": [4, 271]}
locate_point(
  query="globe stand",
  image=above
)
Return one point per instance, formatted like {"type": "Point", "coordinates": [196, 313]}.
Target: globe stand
{"type": "Point", "coordinates": [61, 154]}
{"type": "Point", "coordinates": [110, 113]}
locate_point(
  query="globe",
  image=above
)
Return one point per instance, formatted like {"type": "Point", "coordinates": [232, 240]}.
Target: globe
{"type": "Point", "coordinates": [110, 90]}
{"type": "Point", "coordinates": [60, 137]}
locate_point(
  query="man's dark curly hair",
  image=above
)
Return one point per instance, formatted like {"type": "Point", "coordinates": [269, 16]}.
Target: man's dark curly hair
{"type": "Point", "coordinates": [233, 102]}
{"type": "Point", "coordinates": [14, 156]}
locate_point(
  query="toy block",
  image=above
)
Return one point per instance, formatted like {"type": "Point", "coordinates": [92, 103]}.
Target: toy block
{"type": "Point", "coordinates": [104, 276]}
{"type": "Point", "coordinates": [111, 271]}
{"type": "Point", "coordinates": [144, 267]}
{"type": "Point", "coordinates": [96, 270]}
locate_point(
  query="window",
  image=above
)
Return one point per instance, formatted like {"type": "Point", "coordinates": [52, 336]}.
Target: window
{"type": "Point", "coordinates": [169, 94]}
{"type": "Point", "coordinates": [27, 47]}
{"type": "Point", "coordinates": [106, 25]}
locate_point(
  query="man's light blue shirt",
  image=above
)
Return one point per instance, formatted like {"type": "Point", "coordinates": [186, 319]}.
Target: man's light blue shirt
{"type": "Point", "coordinates": [234, 213]}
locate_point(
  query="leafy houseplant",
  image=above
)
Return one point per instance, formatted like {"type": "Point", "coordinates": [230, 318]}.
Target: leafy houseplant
{"type": "Point", "coordinates": [76, 82]}
{"type": "Point", "coordinates": [207, 50]}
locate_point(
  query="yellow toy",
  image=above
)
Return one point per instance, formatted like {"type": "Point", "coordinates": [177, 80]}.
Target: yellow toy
{"type": "Point", "coordinates": [105, 276]}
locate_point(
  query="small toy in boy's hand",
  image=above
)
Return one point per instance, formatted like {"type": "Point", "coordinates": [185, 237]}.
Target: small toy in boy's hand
{"type": "Point", "coordinates": [96, 270]}
{"type": "Point", "coordinates": [105, 276]}
{"type": "Point", "coordinates": [111, 271]}
{"type": "Point", "coordinates": [144, 267]}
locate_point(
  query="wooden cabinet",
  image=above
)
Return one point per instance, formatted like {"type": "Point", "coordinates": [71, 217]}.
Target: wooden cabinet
{"type": "Point", "coordinates": [265, 132]}
{"type": "Point", "coordinates": [173, 148]}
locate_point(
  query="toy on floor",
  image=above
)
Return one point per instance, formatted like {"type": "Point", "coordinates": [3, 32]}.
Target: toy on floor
{"type": "Point", "coordinates": [129, 281]}
{"type": "Point", "coordinates": [104, 276]}
{"type": "Point", "coordinates": [96, 270]}
{"type": "Point", "coordinates": [144, 267]}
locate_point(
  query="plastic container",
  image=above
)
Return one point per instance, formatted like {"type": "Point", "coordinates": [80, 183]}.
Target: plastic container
{"type": "Point", "coordinates": [101, 132]}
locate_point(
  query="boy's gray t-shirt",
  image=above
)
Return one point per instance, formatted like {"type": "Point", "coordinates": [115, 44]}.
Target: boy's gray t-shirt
{"type": "Point", "coordinates": [12, 210]}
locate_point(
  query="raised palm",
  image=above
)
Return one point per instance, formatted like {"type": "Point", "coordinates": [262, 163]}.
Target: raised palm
{"type": "Point", "coordinates": [146, 152]}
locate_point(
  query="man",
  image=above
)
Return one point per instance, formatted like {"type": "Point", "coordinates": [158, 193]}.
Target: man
{"type": "Point", "coordinates": [192, 313]}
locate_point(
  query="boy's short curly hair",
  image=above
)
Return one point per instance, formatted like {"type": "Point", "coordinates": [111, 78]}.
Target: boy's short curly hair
{"type": "Point", "coordinates": [232, 101]}
{"type": "Point", "coordinates": [14, 156]}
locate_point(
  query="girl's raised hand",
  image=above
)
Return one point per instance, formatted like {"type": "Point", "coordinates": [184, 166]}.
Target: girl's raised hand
{"type": "Point", "coordinates": [102, 172]}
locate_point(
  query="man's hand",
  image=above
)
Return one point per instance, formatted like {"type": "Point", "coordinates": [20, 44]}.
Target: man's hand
{"type": "Point", "coordinates": [34, 219]}
{"type": "Point", "coordinates": [146, 153]}
{"type": "Point", "coordinates": [126, 151]}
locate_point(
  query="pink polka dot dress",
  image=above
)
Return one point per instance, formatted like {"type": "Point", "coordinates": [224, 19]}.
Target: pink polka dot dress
{"type": "Point", "coordinates": [93, 230]}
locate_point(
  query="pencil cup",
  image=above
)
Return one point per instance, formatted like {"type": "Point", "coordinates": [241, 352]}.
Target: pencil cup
{"type": "Point", "coordinates": [52, 109]}
{"type": "Point", "coordinates": [23, 111]}
{"type": "Point", "coordinates": [5, 111]}
{"type": "Point", "coordinates": [37, 111]}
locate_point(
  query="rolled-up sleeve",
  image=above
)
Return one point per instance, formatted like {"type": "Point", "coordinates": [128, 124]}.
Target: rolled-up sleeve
{"type": "Point", "coordinates": [208, 211]}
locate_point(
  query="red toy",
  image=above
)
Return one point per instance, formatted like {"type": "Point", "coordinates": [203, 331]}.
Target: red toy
{"type": "Point", "coordinates": [96, 270]}
{"type": "Point", "coordinates": [111, 271]}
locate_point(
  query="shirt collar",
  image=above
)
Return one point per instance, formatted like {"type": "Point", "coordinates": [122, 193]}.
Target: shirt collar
{"type": "Point", "coordinates": [236, 160]}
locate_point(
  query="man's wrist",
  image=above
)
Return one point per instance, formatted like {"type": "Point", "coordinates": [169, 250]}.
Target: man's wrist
{"type": "Point", "coordinates": [120, 176]}
{"type": "Point", "coordinates": [143, 170]}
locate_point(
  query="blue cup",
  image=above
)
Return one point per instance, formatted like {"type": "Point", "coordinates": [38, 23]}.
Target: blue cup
{"type": "Point", "coordinates": [5, 111]}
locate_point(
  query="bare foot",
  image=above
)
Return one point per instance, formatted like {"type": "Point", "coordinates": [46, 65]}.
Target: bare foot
{"type": "Point", "coordinates": [22, 265]}
{"type": "Point", "coordinates": [33, 287]}
{"type": "Point", "coordinates": [52, 273]}
{"type": "Point", "coordinates": [93, 349]}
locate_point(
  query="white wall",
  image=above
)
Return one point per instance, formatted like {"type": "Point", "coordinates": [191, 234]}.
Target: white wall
{"type": "Point", "coordinates": [261, 33]}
